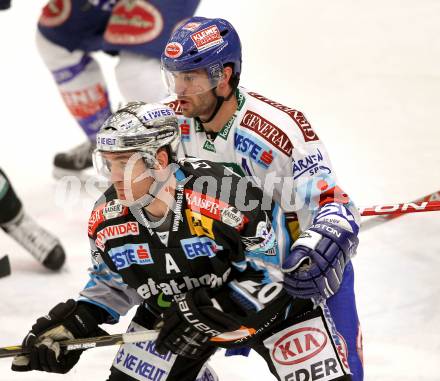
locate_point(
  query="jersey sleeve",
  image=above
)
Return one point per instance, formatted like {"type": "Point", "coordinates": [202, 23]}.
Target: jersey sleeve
{"type": "Point", "coordinates": [106, 288]}
{"type": "Point", "coordinates": [302, 173]}
{"type": "Point", "coordinates": [317, 193]}
{"type": "Point", "coordinates": [298, 165]}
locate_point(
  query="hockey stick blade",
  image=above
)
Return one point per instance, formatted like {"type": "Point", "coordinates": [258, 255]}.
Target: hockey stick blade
{"type": "Point", "coordinates": [5, 266]}
{"type": "Point", "coordinates": [89, 342]}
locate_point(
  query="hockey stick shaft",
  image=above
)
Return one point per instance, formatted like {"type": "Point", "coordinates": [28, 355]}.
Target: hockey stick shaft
{"type": "Point", "coordinates": [118, 339]}
{"type": "Point", "coordinates": [386, 213]}
{"type": "Point", "coordinates": [399, 209]}
{"type": "Point", "coordinates": [90, 342]}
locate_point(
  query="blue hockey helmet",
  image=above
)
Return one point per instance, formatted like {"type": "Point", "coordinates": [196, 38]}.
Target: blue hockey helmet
{"type": "Point", "coordinates": [202, 43]}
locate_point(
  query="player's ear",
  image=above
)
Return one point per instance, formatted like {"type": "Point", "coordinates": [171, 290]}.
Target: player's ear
{"type": "Point", "coordinates": [224, 81]}
{"type": "Point", "coordinates": [162, 157]}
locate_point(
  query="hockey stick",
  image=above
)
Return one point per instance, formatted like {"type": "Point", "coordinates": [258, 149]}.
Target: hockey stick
{"type": "Point", "coordinates": [386, 213]}
{"type": "Point", "coordinates": [89, 342]}
{"type": "Point", "coordinates": [120, 338]}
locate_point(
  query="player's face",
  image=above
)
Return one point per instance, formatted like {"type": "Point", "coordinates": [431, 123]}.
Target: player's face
{"type": "Point", "coordinates": [129, 175]}
{"type": "Point", "coordinates": [190, 82]}
{"type": "Point", "coordinates": [200, 105]}
{"type": "Point", "coordinates": [193, 90]}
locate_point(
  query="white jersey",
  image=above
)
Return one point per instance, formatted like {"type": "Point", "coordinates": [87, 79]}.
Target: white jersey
{"type": "Point", "coordinates": [278, 148]}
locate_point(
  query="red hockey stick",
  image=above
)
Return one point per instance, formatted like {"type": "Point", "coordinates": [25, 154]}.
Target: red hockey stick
{"type": "Point", "coordinates": [428, 203]}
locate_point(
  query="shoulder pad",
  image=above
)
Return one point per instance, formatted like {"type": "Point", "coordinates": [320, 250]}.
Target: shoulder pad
{"type": "Point", "coordinates": [104, 212]}
{"type": "Point", "coordinates": [199, 167]}
{"type": "Point", "coordinates": [297, 116]}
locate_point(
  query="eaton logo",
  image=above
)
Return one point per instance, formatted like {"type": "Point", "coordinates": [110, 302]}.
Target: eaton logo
{"type": "Point", "coordinates": [200, 247]}
{"type": "Point", "coordinates": [131, 254]}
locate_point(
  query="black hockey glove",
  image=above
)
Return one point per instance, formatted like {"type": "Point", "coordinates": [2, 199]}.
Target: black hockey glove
{"type": "Point", "coordinates": [187, 326]}
{"type": "Point", "coordinates": [67, 320]}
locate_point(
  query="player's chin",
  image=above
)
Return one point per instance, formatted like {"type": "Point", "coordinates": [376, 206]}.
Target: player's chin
{"type": "Point", "coordinates": [125, 202]}
{"type": "Point", "coordinates": [129, 200]}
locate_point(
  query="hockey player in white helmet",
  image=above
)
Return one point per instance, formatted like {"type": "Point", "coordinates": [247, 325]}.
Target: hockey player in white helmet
{"type": "Point", "coordinates": [316, 222]}
{"type": "Point", "coordinates": [184, 254]}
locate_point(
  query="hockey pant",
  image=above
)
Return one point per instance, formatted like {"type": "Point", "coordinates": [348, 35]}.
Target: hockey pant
{"type": "Point", "coordinates": [88, 26]}
{"type": "Point", "coordinates": [342, 307]}
{"type": "Point", "coordinates": [295, 348]}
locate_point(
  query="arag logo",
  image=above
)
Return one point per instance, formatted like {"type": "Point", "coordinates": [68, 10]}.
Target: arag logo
{"type": "Point", "coordinates": [299, 345]}
{"type": "Point", "coordinates": [198, 224]}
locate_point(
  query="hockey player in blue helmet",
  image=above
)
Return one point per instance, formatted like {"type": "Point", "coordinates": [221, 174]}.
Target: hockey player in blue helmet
{"type": "Point", "coordinates": [316, 221]}
{"type": "Point", "coordinates": [198, 57]}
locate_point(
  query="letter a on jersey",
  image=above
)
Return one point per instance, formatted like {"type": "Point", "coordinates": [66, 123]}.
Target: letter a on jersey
{"type": "Point", "coordinates": [171, 265]}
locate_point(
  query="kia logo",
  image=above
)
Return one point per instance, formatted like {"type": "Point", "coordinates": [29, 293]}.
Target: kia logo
{"type": "Point", "coordinates": [299, 345]}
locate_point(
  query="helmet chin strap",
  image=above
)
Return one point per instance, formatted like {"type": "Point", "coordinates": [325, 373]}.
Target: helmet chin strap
{"type": "Point", "coordinates": [219, 103]}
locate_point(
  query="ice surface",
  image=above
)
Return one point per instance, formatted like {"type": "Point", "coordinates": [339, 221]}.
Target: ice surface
{"type": "Point", "coordinates": [366, 74]}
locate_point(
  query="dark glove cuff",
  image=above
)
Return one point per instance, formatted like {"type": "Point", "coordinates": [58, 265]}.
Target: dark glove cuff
{"type": "Point", "coordinates": [56, 315]}
{"type": "Point", "coordinates": [100, 315]}
{"type": "Point", "coordinates": [78, 318]}
{"type": "Point", "coordinates": [82, 322]}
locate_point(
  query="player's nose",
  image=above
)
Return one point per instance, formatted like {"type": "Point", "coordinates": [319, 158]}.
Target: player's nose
{"type": "Point", "coordinates": [180, 87]}
{"type": "Point", "coordinates": [116, 174]}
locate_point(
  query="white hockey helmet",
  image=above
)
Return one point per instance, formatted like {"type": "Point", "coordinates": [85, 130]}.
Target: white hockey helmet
{"type": "Point", "coordinates": [139, 127]}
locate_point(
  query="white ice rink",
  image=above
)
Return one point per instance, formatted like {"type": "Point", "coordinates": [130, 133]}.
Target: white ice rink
{"type": "Point", "coordinates": [366, 74]}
